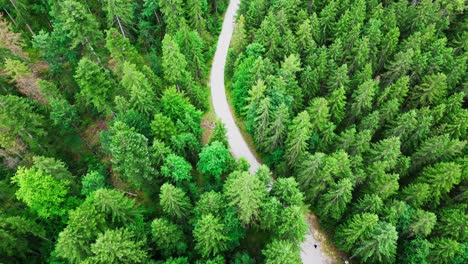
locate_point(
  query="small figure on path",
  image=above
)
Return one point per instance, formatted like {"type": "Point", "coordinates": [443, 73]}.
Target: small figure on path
{"type": "Point", "coordinates": [315, 245]}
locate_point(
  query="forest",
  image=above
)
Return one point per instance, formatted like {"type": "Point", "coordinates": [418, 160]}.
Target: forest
{"type": "Point", "coordinates": [358, 109]}
{"type": "Point", "coordinates": [364, 104]}
{"type": "Point", "coordinates": [103, 156]}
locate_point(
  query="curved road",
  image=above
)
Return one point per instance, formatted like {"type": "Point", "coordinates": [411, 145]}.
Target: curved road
{"type": "Point", "coordinates": [238, 146]}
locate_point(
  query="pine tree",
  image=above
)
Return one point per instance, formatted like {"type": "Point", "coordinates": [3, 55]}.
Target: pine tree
{"type": "Point", "coordinates": [416, 194]}
{"type": "Point", "coordinates": [431, 91]}
{"type": "Point", "coordinates": [168, 237]}
{"type": "Point", "coordinates": [369, 203]}
{"type": "Point", "coordinates": [287, 191]}
{"type": "Point", "coordinates": [355, 230]}
{"type": "Point", "coordinates": [334, 202]}
{"type": "Point", "coordinates": [120, 11]}
{"type": "Point", "coordinates": [191, 46]}
{"type": "Point", "coordinates": [162, 127]}
{"type": "Point", "coordinates": [363, 98]}
{"type": "Point", "coordinates": [246, 192]}
{"type": "Point", "coordinates": [174, 202]}
{"type": "Point", "coordinates": [130, 155]}
{"type": "Point", "coordinates": [20, 124]}
{"type": "Point", "coordinates": [91, 182]}
{"type": "Point", "coordinates": [277, 128]}
{"type": "Point", "coordinates": [81, 26]}
{"type": "Point", "coordinates": [219, 133]}
{"type": "Point", "coordinates": [380, 246]}
{"type": "Point", "coordinates": [292, 224]}
{"type": "Point", "coordinates": [95, 85]}
{"type": "Point", "coordinates": [117, 246]}
{"type": "Point", "coordinates": [437, 148]}
{"type": "Point", "coordinates": [173, 62]}
{"type": "Point", "coordinates": [196, 9]}
{"type": "Point", "coordinates": [281, 251]}
{"type": "Point", "coordinates": [209, 236]}
{"type": "Point", "coordinates": [422, 223]}
{"type": "Point", "coordinates": [176, 169]}
{"type": "Point", "coordinates": [299, 133]}
{"type": "Point", "coordinates": [441, 178]}
{"type": "Point", "coordinates": [452, 223]}
{"type": "Point", "coordinates": [337, 103]}
{"type": "Point", "coordinates": [173, 12]}
{"type": "Point", "coordinates": [142, 95]}
{"type": "Point", "coordinates": [444, 250]}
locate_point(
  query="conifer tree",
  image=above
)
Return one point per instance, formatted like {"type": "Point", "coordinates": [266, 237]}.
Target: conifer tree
{"type": "Point", "coordinates": [119, 11]}
{"type": "Point", "coordinates": [174, 202]}
{"type": "Point", "coordinates": [245, 192]}
{"type": "Point", "coordinates": [209, 236]}
{"type": "Point", "coordinates": [299, 133]}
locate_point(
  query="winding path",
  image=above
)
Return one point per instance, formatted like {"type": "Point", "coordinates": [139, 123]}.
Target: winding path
{"type": "Point", "coordinates": [238, 146]}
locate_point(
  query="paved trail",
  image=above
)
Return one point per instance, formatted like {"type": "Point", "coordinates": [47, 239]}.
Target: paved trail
{"type": "Point", "coordinates": [238, 146]}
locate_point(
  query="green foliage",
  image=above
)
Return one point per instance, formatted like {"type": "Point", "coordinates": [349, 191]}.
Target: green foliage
{"type": "Point", "coordinates": [215, 160]}
{"type": "Point", "coordinates": [299, 133]}
{"type": "Point", "coordinates": [168, 237]}
{"type": "Point", "coordinates": [117, 246]}
{"type": "Point", "coordinates": [174, 202]}
{"type": "Point", "coordinates": [281, 251]}
{"type": "Point", "coordinates": [356, 230]}
{"type": "Point", "coordinates": [176, 168]}
{"type": "Point", "coordinates": [210, 239]}
{"type": "Point", "coordinates": [245, 192]}
{"type": "Point", "coordinates": [162, 127]}
{"type": "Point", "coordinates": [333, 203]}
{"type": "Point", "coordinates": [130, 155]}
{"type": "Point", "coordinates": [381, 244]}
{"type": "Point", "coordinates": [95, 84]}
{"type": "Point", "coordinates": [43, 193]}
{"type": "Point", "coordinates": [91, 182]}
{"type": "Point", "coordinates": [80, 26]}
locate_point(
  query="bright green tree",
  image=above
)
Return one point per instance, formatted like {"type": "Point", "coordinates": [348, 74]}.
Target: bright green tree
{"type": "Point", "coordinates": [441, 177]}
{"type": "Point", "coordinates": [141, 95]}
{"type": "Point", "coordinates": [91, 182]}
{"type": "Point", "coordinates": [334, 202]}
{"type": "Point", "coordinates": [173, 62]}
{"type": "Point", "coordinates": [81, 27]}
{"type": "Point", "coordinates": [369, 203]}
{"type": "Point", "coordinates": [299, 133]}
{"type": "Point", "coordinates": [246, 192]}
{"type": "Point", "coordinates": [210, 239]}
{"type": "Point", "coordinates": [162, 127]}
{"type": "Point", "coordinates": [416, 194]}
{"type": "Point", "coordinates": [380, 246]}
{"type": "Point", "coordinates": [173, 12]}
{"type": "Point", "coordinates": [176, 168]}
{"type": "Point", "coordinates": [215, 160]}
{"type": "Point", "coordinates": [43, 193]}
{"type": "Point", "coordinates": [292, 224]}
{"type": "Point", "coordinates": [119, 11]}
{"type": "Point", "coordinates": [353, 231]}
{"type": "Point", "coordinates": [287, 191]}
{"type": "Point", "coordinates": [118, 246]}
{"type": "Point", "coordinates": [281, 251]}
{"type": "Point", "coordinates": [174, 202]}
